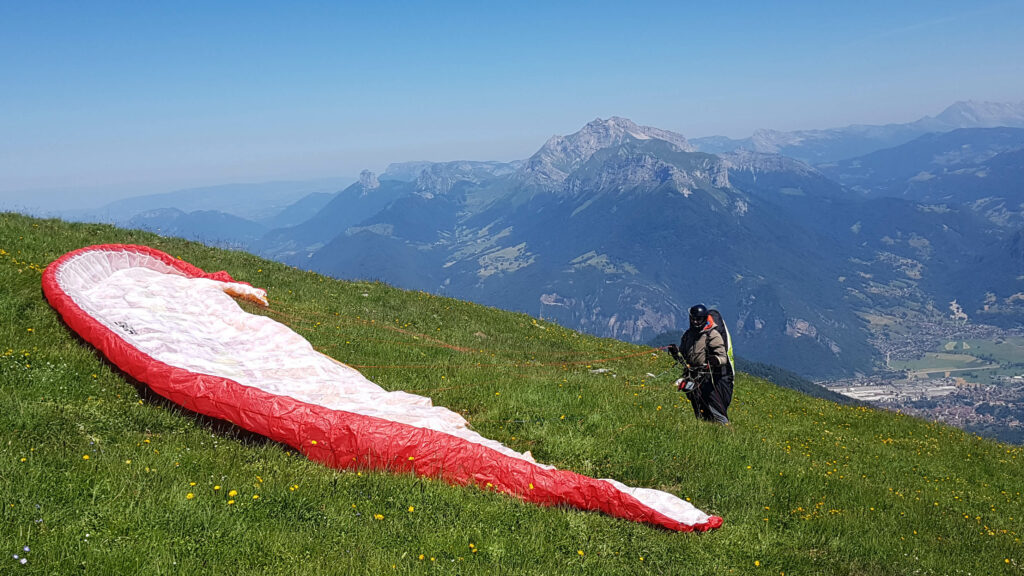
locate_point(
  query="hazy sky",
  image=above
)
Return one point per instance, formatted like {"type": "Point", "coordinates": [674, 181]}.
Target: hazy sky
{"type": "Point", "coordinates": [128, 96]}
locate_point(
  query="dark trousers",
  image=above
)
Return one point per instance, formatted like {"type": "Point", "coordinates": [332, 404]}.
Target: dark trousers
{"type": "Point", "coordinates": [711, 399]}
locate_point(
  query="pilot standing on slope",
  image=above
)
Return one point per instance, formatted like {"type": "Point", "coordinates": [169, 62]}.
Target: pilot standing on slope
{"type": "Point", "coordinates": [709, 374]}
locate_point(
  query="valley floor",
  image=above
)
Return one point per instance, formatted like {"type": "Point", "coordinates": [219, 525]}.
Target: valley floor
{"type": "Point", "coordinates": [969, 376]}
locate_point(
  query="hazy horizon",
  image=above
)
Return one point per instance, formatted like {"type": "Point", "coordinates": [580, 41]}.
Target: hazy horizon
{"type": "Point", "coordinates": [125, 99]}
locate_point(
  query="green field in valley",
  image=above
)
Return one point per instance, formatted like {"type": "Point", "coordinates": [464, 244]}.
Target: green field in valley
{"type": "Point", "coordinates": [979, 361]}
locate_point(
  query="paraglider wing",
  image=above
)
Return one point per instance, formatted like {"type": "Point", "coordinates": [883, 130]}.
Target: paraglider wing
{"type": "Point", "coordinates": [179, 330]}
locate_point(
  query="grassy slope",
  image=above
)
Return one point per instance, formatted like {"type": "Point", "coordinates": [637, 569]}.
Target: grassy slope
{"type": "Point", "coordinates": [805, 486]}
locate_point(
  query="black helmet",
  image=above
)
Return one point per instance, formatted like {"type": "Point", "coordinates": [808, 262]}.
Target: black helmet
{"type": "Point", "coordinates": [698, 316]}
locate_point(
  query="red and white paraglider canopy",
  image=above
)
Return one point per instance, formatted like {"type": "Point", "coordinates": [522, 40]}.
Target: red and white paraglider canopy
{"type": "Point", "coordinates": [177, 329]}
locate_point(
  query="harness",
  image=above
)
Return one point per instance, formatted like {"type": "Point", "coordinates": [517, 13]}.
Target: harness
{"type": "Point", "coordinates": [695, 373]}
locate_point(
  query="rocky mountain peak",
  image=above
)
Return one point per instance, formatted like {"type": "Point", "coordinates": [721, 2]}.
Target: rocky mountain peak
{"type": "Point", "coordinates": [752, 161]}
{"type": "Point", "coordinates": [368, 180]}
{"type": "Point", "coordinates": [974, 114]}
{"type": "Point", "coordinates": [405, 171]}
{"type": "Point", "coordinates": [773, 141]}
{"type": "Point", "coordinates": [561, 155]}
{"type": "Point", "coordinates": [437, 179]}
{"type": "Point", "coordinates": [613, 130]}
{"type": "Point", "coordinates": [632, 170]}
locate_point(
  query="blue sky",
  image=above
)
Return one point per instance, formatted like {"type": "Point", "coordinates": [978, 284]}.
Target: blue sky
{"type": "Point", "coordinates": [138, 97]}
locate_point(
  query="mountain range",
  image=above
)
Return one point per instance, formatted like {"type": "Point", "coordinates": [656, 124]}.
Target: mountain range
{"type": "Point", "coordinates": [819, 146]}
{"type": "Point", "coordinates": [618, 228]}
{"type": "Point", "coordinates": [270, 204]}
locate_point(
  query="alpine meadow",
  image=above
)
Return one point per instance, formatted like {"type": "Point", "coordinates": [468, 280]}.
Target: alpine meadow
{"type": "Point", "coordinates": [98, 475]}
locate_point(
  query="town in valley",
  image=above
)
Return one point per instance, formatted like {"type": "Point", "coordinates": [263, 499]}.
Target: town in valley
{"type": "Point", "coordinates": [960, 373]}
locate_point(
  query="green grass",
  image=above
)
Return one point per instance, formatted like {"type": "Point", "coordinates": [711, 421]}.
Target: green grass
{"type": "Point", "coordinates": [1009, 350]}
{"type": "Point", "coordinates": [805, 486]}
{"type": "Point", "coordinates": [939, 362]}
